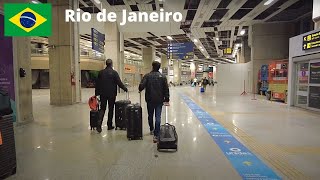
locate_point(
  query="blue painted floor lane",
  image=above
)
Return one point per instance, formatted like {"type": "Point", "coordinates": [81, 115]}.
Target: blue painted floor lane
{"type": "Point", "coordinates": [248, 165]}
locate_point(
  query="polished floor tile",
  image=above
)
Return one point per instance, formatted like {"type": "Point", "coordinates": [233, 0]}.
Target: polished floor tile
{"type": "Point", "coordinates": [59, 145]}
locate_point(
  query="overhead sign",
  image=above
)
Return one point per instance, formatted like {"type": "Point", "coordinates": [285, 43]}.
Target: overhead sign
{"type": "Point", "coordinates": [227, 51]}
{"type": "Point", "coordinates": [311, 41]}
{"type": "Point", "coordinates": [180, 50]}
{"type": "Point", "coordinates": [247, 164]}
{"type": "Point", "coordinates": [97, 39]}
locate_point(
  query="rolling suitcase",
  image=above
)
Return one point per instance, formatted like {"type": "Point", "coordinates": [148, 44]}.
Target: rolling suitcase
{"type": "Point", "coordinates": [120, 116]}
{"type": "Point", "coordinates": [8, 162]}
{"type": "Point", "coordinates": [202, 89]}
{"type": "Point", "coordinates": [134, 121]}
{"type": "Point", "coordinates": [168, 137]}
{"type": "Point", "coordinates": [94, 113]}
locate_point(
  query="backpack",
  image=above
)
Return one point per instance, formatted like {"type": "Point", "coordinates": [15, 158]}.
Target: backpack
{"type": "Point", "coordinates": [5, 103]}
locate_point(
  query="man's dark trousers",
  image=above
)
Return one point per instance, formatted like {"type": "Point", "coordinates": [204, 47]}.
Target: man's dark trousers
{"type": "Point", "coordinates": [111, 101]}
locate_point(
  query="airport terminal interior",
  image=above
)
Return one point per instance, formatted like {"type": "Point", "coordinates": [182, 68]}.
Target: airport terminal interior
{"type": "Point", "coordinates": [243, 77]}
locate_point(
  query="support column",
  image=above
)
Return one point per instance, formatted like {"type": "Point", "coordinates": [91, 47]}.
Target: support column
{"type": "Point", "coordinates": [177, 71]}
{"type": "Point", "coordinates": [193, 68]}
{"type": "Point", "coordinates": [112, 47]}
{"type": "Point", "coordinates": [316, 14]}
{"type": "Point", "coordinates": [148, 56]}
{"type": "Point", "coordinates": [64, 56]}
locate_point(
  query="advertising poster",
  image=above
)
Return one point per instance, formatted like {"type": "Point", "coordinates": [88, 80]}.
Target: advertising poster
{"type": "Point", "coordinates": [315, 73]}
{"type": "Point", "coordinates": [314, 97]}
{"type": "Point", "coordinates": [6, 65]}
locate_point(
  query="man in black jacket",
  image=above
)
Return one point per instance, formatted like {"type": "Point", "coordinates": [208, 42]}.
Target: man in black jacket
{"type": "Point", "coordinates": [106, 87]}
{"type": "Point", "coordinates": [157, 93]}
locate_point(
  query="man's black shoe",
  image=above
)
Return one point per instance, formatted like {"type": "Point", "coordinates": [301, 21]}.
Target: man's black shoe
{"type": "Point", "coordinates": [110, 128]}
{"type": "Point", "coordinates": [99, 129]}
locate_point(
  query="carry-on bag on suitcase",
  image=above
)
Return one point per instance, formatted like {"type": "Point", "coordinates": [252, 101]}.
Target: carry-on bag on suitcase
{"type": "Point", "coordinates": [168, 137]}
{"type": "Point", "coordinates": [120, 116]}
{"type": "Point", "coordinates": [94, 104]}
{"type": "Point", "coordinates": [8, 162]}
{"type": "Point", "coordinates": [134, 121]}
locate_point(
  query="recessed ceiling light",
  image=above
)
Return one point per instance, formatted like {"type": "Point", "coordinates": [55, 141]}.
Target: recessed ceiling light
{"type": "Point", "coordinates": [169, 37]}
{"type": "Point", "coordinates": [202, 49]}
{"type": "Point", "coordinates": [268, 2]}
{"type": "Point", "coordinates": [97, 1]}
{"type": "Point", "coordinates": [217, 39]}
{"type": "Point", "coordinates": [35, 2]}
{"type": "Point", "coordinates": [195, 40]}
{"type": "Point", "coordinates": [242, 32]}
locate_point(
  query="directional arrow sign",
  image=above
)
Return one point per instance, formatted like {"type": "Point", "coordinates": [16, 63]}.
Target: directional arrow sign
{"type": "Point", "coordinates": [248, 163]}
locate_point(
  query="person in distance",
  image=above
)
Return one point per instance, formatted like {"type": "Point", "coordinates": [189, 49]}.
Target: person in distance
{"type": "Point", "coordinates": [106, 87]}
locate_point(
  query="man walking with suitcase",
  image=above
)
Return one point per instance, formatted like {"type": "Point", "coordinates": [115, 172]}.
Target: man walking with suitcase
{"type": "Point", "coordinates": [157, 93]}
{"type": "Point", "coordinates": [106, 87]}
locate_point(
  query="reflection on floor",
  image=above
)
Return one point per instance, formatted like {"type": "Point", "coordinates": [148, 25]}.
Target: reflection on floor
{"type": "Point", "coordinates": [59, 144]}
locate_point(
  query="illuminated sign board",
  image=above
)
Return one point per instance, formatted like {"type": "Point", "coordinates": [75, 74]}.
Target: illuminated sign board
{"type": "Point", "coordinates": [311, 41]}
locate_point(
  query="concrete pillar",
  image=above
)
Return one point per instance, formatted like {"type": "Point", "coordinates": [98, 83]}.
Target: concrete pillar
{"type": "Point", "coordinates": [268, 42]}
{"type": "Point", "coordinates": [177, 71]}
{"type": "Point", "coordinates": [245, 53]}
{"type": "Point", "coordinates": [165, 65]}
{"type": "Point", "coordinates": [64, 56]}
{"type": "Point", "coordinates": [193, 69]}
{"type": "Point", "coordinates": [112, 45]}
{"type": "Point", "coordinates": [148, 56]}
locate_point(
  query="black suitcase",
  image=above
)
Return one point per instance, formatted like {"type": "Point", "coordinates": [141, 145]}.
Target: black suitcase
{"type": "Point", "coordinates": [168, 137]}
{"type": "Point", "coordinates": [94, 118]}
{"type": "Point", "coordinates": [133, 114]}
{"type": "Point", "coordinates": [120, 116]}
{"type": "Point", "coordinates": [8, 162]}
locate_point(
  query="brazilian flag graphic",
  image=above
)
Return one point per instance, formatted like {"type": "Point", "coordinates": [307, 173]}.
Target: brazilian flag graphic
{"type": "Point", "coordinates": [28, 19]}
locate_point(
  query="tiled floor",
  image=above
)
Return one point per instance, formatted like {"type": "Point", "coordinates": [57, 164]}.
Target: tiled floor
{"type": "Point", "coordinates": [59, 144]}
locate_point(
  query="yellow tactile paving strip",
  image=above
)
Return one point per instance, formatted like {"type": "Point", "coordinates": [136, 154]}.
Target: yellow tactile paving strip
{"type": "Point", "coordinates": [274, 155]}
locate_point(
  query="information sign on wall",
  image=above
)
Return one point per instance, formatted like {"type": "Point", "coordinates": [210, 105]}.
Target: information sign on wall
{"type": "Point", "coordinates": [180, 50]}
{"type": "Point", "coordinates": [97, 39]}
{"type": "Point", "coordinates": [311, 41]}
{"type": "Point", "coordinates": [165, 71]}
{"type": "Point", "coordinates": [129, 69]}
{"type": "Point", "coordinates": [315, 73]}
{"type": "Point", "coordinates": [6, 66]}
{"type": "Point", "coordinates": [314, 97]}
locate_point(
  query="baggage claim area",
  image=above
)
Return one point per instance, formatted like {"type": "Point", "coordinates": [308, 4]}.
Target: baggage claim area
{"type": "Point", "coordinates": [243, 78]}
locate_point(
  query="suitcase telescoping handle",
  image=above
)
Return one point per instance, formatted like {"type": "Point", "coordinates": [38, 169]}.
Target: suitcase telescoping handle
{"type": "Point", "coordinates": [140, 97]}
{"type": "Point", "coordinates": [127, 95]}
{"type": "Point", "coordinates": [166, 114]}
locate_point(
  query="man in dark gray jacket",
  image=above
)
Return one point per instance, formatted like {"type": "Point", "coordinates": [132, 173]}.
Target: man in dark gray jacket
{"type": "Point", "coordinates": [157, 93]}
{"type": "Point", "coordinates": [106, 86]}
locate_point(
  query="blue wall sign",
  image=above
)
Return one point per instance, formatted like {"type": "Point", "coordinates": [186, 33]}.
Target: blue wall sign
{"type": "Point", "coordinates": [248, 165]}
{"type": "Point", "coordinates": [180, 50]}
{"type": "Point", "coordinates": [97, 39]}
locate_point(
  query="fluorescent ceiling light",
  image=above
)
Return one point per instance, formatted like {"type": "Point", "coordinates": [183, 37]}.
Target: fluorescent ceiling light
{"type": "Point", "coordinates": [202, 49]}
{"type": "Point", "coordinates": [242, 32]}
{"type": "Point", "coordinates": [268, 2]}
{"type": "Point", "coordinates": [217, 39]}
{"type": "Point", "coordinates": [169, 37]}
{"type": "Point", "coordinates": [35, 2]}
{"type": "Point", "coordinates": [195, 40]}
{"type": "Point", "coordinates": [97, 1]}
